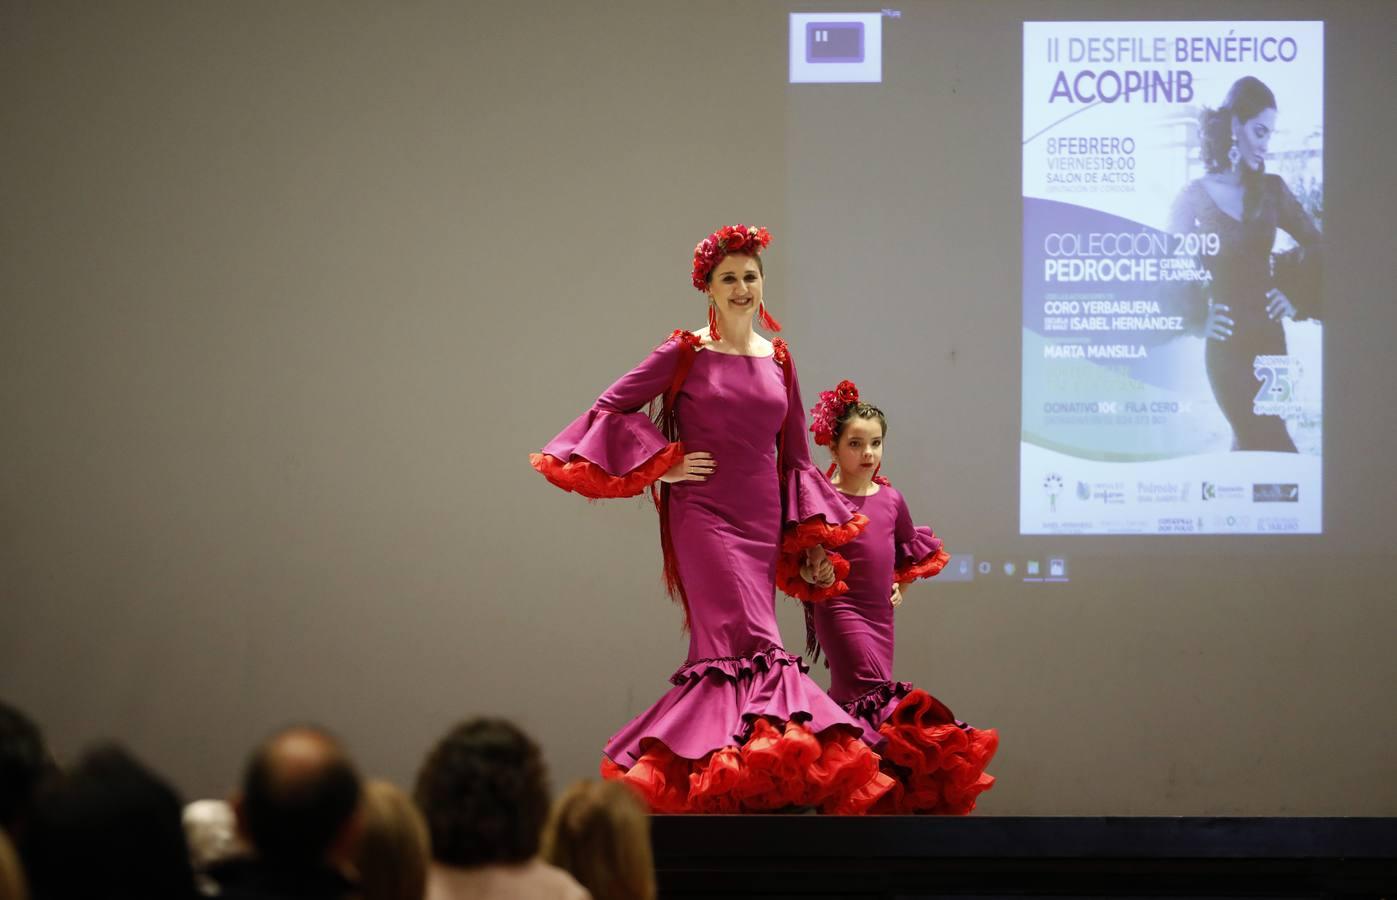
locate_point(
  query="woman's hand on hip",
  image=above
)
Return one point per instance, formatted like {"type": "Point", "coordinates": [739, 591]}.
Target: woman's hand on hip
{"type": "Point", "coordinates": [693, 467]}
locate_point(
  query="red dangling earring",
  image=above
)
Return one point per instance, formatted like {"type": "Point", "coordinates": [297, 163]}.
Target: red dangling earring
{"type": "Point", "coordinates": [876, 469]}
{"type": "Point", "coordinates": [829, 473]}
{"type": "Point", "coordinates": [767, 318]}
{"type": "Point", "coordinates": [713, 334]}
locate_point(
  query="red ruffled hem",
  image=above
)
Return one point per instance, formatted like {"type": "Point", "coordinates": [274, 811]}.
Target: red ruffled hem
{"type": "Point", "coordinates": [938, 765]}
{"type": "Point", "coordinates": [789, 582]}
{"type": "Point", "coordinates": [926, 568]}
{"type": "Point", "coordinates": [816, 531]}
{"type": "Point", "coordinates": [592, 481]}
{"type": "Point", "coordinates": [776, 768]}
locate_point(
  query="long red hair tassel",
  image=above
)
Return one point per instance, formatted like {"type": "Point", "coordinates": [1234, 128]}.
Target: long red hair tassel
{"type": "Point", "coordinates": [768, 320]}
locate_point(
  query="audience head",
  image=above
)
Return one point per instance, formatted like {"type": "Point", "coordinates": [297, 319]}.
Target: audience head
{"type": "Point", "coordinates": [107, 828]}
{"type": "Point", "coordinates": [393, 846]}
{"type": "Point", "coordinates": [599, 832]}
{"type": "Point", "coordinates": [24, 761]}
{"type": "Point", "coordinates": [211, 830]}
{"type": "Point", "coordinates": [299, 803]}
{"type": "Point", "coordinates": [484, 792]}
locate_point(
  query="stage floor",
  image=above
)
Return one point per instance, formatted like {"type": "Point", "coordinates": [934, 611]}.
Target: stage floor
{"type": "Point", "coordinates": [988, 856]}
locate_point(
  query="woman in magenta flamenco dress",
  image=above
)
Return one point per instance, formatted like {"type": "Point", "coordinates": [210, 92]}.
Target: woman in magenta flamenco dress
{"type": "Point", "coordinates": [937, 762]}
{"type": "Point", "coordinates": [743, 728]}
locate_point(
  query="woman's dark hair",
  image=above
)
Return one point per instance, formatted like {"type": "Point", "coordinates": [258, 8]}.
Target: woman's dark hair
{"type": "Point", "coordinates": [860, 411]}
{"type": "Point", "coordinates": [484, 791]}
{"type": "Point", "coordinates": [109, 827]}
{"type": "Point", "coordinates": [1246, 99]}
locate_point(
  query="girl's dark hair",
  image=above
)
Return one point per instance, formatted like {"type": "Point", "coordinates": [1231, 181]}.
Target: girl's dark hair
{"type": "Point", "coordinates": [861, 411]}
{"type": "Point", "coordinates": [1246, 99]}
{"type": "Point", "coordinates": [484, 793]}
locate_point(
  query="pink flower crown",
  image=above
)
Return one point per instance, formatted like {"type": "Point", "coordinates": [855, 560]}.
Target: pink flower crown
{"type": "Point", "coordinates": [830, 409]}
{"type": "Point", "coordinates": [728, 239]}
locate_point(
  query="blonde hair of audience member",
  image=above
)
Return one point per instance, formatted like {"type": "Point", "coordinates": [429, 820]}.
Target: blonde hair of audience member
{"type": "Point", "coordinates": [211, 828]}
{"type": "Point", "coordinates": [11, 875]}
{"type": "Point", "coordinates": [599, 832]}
{"type": "Point", "coordinates": [394, 846]}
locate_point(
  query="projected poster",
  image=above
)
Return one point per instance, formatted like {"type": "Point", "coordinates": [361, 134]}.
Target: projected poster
{"type": "Point", "coordinates": [1173, 204]}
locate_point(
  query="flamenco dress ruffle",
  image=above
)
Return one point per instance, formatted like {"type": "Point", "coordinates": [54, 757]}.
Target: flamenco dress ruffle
{"type": "Point", "coordinates": [937, 763]}
{"type": "Point", "coordinates": [603, 455]}
{"type": "Point", "coordinates": [786, 744]}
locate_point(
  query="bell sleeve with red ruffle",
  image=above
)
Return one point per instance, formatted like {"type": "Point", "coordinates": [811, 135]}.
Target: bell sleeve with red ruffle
{"type": "Point", "coordinates": [814, 512]}
{"type": "Point", "coordinates": [790, 583]}
{"type": "Point", "coordinates": [919, 550]}
{"type": "Point", "coordinates": [613, 449]}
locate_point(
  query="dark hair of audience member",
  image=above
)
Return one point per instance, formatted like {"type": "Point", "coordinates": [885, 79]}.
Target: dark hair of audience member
{"type": "Point", "coordinates": [599, 833]}
{"type": "Point", "coordinates": [394, 848]}
{"type": "Point", "coordinates": [299, 793]}
{"type": "Point", "coordinates": [109, 828]}
{"type": "Point", "coordinates": [484, 791]}
{"type": "Point", "coordinates": [24, 762]}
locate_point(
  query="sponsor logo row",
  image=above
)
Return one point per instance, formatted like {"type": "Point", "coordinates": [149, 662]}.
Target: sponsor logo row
{"type": "Point", "coordinates": [1119, 493]}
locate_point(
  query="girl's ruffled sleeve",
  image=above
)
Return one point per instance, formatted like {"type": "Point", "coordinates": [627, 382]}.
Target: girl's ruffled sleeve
{"type": "Point", "coordinates": [814, 513]}
{"type": "Point", "coordinates": [919, 551]}
{"type": "Point", "coordinates": [613, 449]}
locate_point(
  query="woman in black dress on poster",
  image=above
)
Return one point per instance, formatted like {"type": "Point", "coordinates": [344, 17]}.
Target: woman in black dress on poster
{"type": "Point", "coordinates": [1244, 205]}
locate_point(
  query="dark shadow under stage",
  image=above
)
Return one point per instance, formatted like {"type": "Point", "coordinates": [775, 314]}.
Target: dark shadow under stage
{"type": "Point", "coordinates": [772, 857]}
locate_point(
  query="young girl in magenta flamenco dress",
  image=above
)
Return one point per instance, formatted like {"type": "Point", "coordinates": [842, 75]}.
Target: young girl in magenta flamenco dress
{"type": "Point", "coordinates": [937, 762]}
{"type": "Point", "coordinates": [743, 728]}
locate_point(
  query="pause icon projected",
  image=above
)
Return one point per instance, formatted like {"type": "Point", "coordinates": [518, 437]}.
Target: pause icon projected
{"type": "Point", "coordinates": [834, 42]}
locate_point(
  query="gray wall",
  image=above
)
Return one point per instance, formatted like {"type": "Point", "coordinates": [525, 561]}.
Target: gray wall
{"type": "Point", "coordinates": [290, 290]}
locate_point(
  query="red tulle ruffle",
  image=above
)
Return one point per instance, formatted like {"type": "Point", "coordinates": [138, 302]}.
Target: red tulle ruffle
{"type": "Point", "coordinates": [938, 764]}
{"type": "Point", "coordinates": [777, 768]}
{"type": "Point", "coordinates": [925, 568]}
{"type": "Point", "coordinates": [789, 582]}
{"type": "Point", "coordinates": [818, 532]}
{"type": "Point", "coordinates": [592, 481]}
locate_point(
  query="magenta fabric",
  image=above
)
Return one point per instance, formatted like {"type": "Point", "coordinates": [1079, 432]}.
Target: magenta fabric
{"type": "Point", "coordinates": [856, 630]}
{"type": "Point", "coordinates": [614, 433]}
{"type": "Point", "coordinates": [726, 532]}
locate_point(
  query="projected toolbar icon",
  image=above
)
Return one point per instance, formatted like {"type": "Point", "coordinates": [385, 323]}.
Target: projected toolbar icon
{"type": "Point", "coordinates": [960, 567]}
{"type": "Point", "coordinates": [836, 47]}
{"type": "Point", "coordinates": [834, 42]}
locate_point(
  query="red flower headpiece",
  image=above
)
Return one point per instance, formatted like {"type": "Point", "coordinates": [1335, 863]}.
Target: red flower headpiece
{"type": "Point", "coordinates": [728, 239]}
{"type": "Point", "coordinates": [830, 409]}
